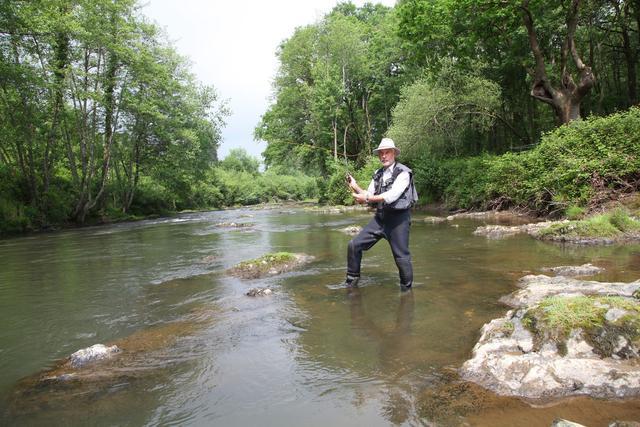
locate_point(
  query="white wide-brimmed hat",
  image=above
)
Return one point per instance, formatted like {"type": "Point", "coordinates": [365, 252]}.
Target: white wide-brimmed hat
{"type": "Point", "coordinates": [386, 144]}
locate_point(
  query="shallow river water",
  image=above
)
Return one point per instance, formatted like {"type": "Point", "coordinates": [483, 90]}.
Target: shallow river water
{"type": "Point", "coordinates": [201, 352]}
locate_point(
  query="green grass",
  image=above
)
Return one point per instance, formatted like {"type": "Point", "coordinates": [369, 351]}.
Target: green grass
{"type": "Point", "coordinates": [609, 225]}
{"type": "Point", "coordinates": [555, 318]}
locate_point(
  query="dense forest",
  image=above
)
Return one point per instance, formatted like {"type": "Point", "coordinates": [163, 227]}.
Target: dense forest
{"type": "Point", "coordinates": [462, 86]}
{"type": "Point", "coordinates": [101, 118]}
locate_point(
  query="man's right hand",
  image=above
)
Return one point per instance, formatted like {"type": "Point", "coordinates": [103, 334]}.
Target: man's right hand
{"type": "Point", "coordinates": [350, 180]}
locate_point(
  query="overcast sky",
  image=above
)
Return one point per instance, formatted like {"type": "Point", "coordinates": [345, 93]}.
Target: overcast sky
{"type": "Point", "coordinates": [232, 45]}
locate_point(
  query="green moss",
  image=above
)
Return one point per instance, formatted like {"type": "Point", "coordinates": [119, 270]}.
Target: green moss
{"type": "Point", "coordinates": [555, 317]}
{"type": "Point", "coordinates": [508, 328]}
{"type": "Point", "coordinates": [609, 225]}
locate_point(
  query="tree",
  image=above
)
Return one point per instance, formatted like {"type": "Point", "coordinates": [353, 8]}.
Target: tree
{"type": "Point", "coordinates": [239, 160]}
{"type": "Point", "coordinates": [566, 96]}
{"type": "Point", "coordinates": [337, 83]}
{"type": "Point", "coordinates": [91, 98]}
{"type": "Point", "coordinates": [446, 115]}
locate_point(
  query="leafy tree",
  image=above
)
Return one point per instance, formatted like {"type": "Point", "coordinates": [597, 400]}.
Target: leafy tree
{"type": "Point", "coordinates": [239, 160]}
{"type": "Point", "coordinates": [92, 99]}
{"type": "Point", "coordinates": [337, 83]}
{"type": "Point", "coordinates": [446, 115]}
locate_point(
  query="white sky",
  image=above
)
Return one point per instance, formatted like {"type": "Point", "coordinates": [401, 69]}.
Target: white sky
{"type": "Point", "coordinates": [232, 45]}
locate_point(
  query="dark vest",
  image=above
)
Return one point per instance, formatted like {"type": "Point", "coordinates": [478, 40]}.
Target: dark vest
{"type": "Point", "coordinates": [407, 198]}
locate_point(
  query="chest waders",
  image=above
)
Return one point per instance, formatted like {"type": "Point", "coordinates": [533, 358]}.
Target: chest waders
{"type": "Point", "coordinates": [391, 222]}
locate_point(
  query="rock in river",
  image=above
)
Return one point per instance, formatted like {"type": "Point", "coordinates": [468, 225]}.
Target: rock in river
{"type": "Point", "coordinates": [351, 230]}
{"type": "Point", "coordinates": [566, 337]}
{"type": "Point", "coordinates": [269, 265]}
{"type": "Point", "coordinates": [259, 292]}
{"type": "Point", "coordinates": [92, 354]}
{"type": "Point", "coordinates": [572, 270]}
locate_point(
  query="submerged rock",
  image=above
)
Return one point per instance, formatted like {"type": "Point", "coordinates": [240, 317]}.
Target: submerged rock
{"type": "Point", "coordinates": [91, 354]}
{"type": "Point", "coordinates": [434, 219]}
{"type": "Point", "coordinates": [88, 374]}
{"type": "Point", "coordinates": [571, 271]}
{"type": "Point", "coordinates": [559, 342]}
{"type": "Point", "coordinates": [235, 224]}
{"type": "Point", "coordinates": [351, 230]}
{"type": "Point", "coordinates": [259, 292]}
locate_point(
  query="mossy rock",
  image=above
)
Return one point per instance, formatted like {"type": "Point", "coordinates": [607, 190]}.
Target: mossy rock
{"type": "Point", "coordinates": [609, 227]}
{"type": "Point", "coordinates": [269, 265]}
{"type": "Point", "coordinates": [554, 318]}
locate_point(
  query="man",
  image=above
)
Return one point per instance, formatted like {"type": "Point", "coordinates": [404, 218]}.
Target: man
{"type": "Point", "coordinates": [393, 193]}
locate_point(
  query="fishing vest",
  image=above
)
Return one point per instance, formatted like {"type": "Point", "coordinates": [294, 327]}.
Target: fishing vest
{"type": "Point", "coordinates": [406, 199]}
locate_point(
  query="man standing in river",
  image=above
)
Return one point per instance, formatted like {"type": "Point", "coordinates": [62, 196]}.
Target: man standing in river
{"type": "Point", "coordinates": [392, 192]}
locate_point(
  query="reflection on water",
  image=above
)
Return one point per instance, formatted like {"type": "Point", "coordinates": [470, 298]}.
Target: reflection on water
{"type": "Point", "coordinates": [196, 350]}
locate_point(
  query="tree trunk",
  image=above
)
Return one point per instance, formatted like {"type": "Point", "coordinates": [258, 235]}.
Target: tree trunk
{"type": "Point", "coordinates": [566, 99]}
{"type": "Point", "coordinates": [630, 54]}
{"type": "Point", "coordinates": [61, 63]}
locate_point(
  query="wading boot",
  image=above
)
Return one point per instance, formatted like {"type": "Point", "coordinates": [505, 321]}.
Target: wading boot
{"type": "Point", "coordinates": [351, 282]}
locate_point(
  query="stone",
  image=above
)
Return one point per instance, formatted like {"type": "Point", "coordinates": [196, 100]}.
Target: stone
{"type": "Point", "coordinates": [505, 367]}
{"type": "Point", "coordinates": [572, 271]}
{"type": "Point", "coordinates": [501, 231]}
{"type": "Point", "coordinates": [269, 265]}
{"type": "Point", "coordinates": [351, 230]}
{"type": "Point", "coordinates": [559, 422]}
{"type": "Point", "coordinates": [92, 354]}
{"type": "Point", "coordinates": [577, 347]}
{"type": "Point", "coordinates": [259, 292]}
{"type": "Point", "coordinates": [509, 360]}
{"type": "Point", "coordinates": [497, 231]}
{"type": "Point", "coordinates": [534, 288]}
{"type": "Point", "coordinates": [434, 219]}
{"type": "Point", "coordinates": [615, 314]}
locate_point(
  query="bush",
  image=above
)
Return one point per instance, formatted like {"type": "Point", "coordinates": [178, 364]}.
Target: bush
{"type": "Point", "coordinates": [574, 165]}
{"type": "Point", "coordinates": [336, 190]}
{"type": "Point", "coordinates": [151, 198]}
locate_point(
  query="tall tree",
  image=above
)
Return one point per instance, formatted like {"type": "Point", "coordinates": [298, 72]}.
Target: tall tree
{"type": "Point", "coordinates": [566, 96]}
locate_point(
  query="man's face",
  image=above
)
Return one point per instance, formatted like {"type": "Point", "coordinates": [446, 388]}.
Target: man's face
{"type": "Point", "coordinates": [387, 156]}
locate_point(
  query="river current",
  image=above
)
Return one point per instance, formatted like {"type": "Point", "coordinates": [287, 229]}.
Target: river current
{"type": "Point", "coordinates": [204, 353]}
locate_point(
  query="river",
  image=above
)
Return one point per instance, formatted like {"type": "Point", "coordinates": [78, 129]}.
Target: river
{"type": "Point", "coordinates": [309, 354]}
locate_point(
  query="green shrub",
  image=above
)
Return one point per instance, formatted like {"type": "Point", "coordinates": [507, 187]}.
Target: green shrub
{"type": "Point", "coordinates": [574, 212]}
{"type": "Point", "coordinates": [620, 219]}
{"type": "Point", "coordinates": [152, 197]}
{"type": "Point", "coordinates": [568, 168]}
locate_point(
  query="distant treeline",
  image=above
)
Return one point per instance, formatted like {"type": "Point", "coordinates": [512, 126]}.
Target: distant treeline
{"type": "Point", "coordinates": [101, 118]}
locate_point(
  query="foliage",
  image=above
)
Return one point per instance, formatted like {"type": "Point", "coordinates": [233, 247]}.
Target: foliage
{"type": "Point", "coordinates": [576, 165]}
{"type": "Point", "coordinates": [94, 104]}
{"type": "Point", "coordinates": [612, 224]}
{"type": "Point", "coordinates": [574, 212]}
{"type": "Point", "coordinates": [337, 82]}
{"type": "Point", "coordinates": [336, 191]}
{"type": "Point", "coordinates": [239, 160]}
{"type": "Point", "coordinates": [555, 317]}
{"type": "Point", "coordinates": [243, 188]}
{"type": "Point", "coordinates": [445, 115]}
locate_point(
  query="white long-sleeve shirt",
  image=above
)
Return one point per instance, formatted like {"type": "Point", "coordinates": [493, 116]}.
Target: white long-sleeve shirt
{"type": "Point", "coordinates": [399, 185]}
